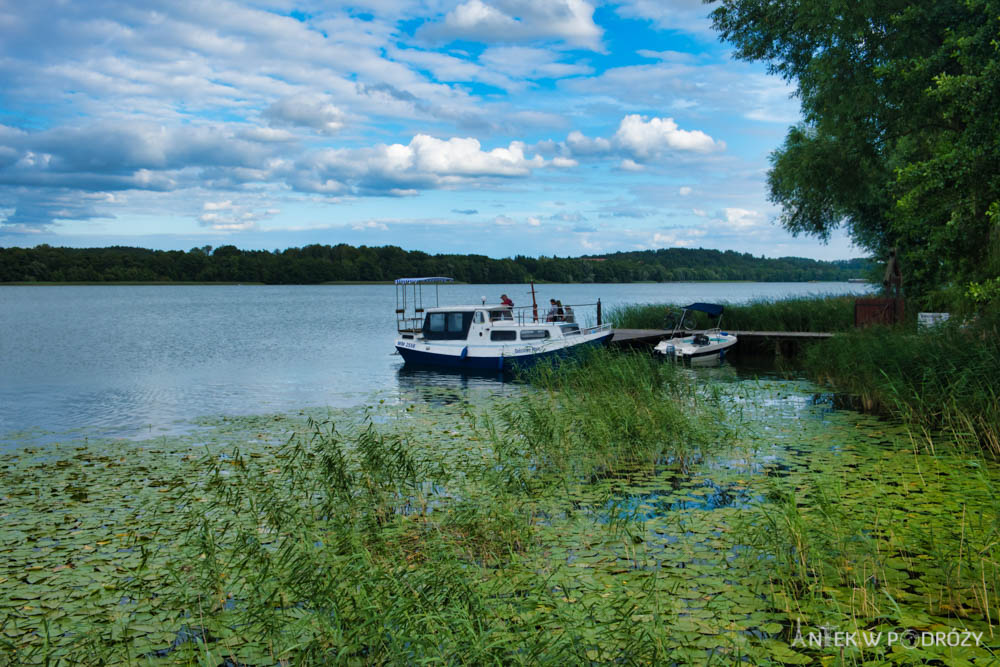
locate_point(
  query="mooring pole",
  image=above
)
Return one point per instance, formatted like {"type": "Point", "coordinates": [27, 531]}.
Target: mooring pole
{"type": "Point", "coordinates": [534, 304]}
{"type": "Point", "coordinates": [598, 312]}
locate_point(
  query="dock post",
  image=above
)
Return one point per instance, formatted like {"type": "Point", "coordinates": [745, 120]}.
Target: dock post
{"type": "Point", "coordinates": [598, 312]}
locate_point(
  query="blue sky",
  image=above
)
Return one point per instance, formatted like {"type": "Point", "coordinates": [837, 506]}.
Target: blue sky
{"type": "Point", "coordinates": [500, 127]}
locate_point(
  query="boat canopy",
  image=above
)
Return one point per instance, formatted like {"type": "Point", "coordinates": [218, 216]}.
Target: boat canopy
{"type": "Point", "coordinates": [710, 309]}
{"type": "Point", "coordinates": [417, 281]}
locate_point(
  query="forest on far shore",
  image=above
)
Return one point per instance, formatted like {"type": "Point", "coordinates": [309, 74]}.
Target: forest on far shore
{"type": "Point", "coordinates": [314, 264]}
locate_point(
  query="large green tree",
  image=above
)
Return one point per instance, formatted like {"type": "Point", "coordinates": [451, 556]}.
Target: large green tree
{"type": "Point", "coordinates": [900, 141]}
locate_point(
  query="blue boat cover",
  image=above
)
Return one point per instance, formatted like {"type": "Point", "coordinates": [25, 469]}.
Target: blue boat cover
{"type": "Point", "coordinates": [414, 281]}
{"type": "Point", "coordinates": [711, 309]}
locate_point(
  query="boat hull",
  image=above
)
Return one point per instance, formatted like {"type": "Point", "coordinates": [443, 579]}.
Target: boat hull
{"type": "Point", "coordinates": [683, 349]}
{"type": "Point", "coordinates": [500, 362]}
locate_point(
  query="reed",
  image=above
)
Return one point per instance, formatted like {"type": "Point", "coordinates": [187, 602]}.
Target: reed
{"type": "Point", "coordinates": [606, 410]}
{"type": "Point", "coordinates": [943, 380]}
{"type": "Point", "coordinates": [829, 314]}
{"type": "Point", "coordinates": [366, 546]}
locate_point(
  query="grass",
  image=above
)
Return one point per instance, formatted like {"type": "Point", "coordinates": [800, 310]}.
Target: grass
{"type": "Point", "coordinates": [365, 544]}
{"type": "Point", "coordinates": [829, 314]}
{"type": "Point", "coordinates": [615, 510]}
{"type": "Point", "coordinates": [942, 380]}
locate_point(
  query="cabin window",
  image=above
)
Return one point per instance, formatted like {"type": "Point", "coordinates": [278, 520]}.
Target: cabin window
{"type": "Point", "coordinates": [503, 335]}
{"type": "Point", "coordinates": [479, 317]}
{"type": "Point", "coordinates": [504, 314]}
{"type": "Point", "coordinates": [447, 326]}
{"type": "Point", "coordinates": [436, 322]}
{"type": "Point", "coordinates": [534, 334]}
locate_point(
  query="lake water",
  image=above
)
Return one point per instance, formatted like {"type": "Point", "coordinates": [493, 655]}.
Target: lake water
{"type": "Point", "coordinates": [116, 360]}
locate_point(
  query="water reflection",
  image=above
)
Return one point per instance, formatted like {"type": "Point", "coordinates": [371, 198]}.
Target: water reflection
{"type": "Point", "coordinates": [438, 386]}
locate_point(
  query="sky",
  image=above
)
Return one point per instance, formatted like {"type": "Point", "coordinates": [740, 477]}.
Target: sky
{"type": "Point", "coordinates": [498, 127]}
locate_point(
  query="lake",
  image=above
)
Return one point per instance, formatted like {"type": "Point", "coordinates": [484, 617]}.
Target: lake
{"type": "Point", "coordinates": [117, 360]}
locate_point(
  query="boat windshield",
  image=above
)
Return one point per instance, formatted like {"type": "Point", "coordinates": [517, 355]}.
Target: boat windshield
{"type": "Point", "coordinates": [447, 326]}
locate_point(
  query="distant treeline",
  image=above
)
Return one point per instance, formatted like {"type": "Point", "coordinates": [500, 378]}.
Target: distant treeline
{"type": "Point", "coordinates": [322, 263]}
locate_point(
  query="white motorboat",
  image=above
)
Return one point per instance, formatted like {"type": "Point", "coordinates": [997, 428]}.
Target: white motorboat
{"type": "Point", "coordinates": [483, 336]}
{"type": "Point", "coordinates": [707, 346]}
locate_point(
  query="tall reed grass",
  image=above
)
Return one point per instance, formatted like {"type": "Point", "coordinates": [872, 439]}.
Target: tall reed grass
{"type": "Point", "coordinates": [369, 547]}
{"type": "Point", "coordinates": [830, 314]}
{"type": "Point", "coordinates": [942, 380]}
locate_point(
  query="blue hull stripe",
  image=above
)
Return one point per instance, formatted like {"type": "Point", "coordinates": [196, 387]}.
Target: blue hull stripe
{"type": "Point", "coordinates": [422, 358]}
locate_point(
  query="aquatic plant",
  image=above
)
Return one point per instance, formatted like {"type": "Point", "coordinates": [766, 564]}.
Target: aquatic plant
{"type": "Point", "coordinates": [829, 314]}
{"type": "Point", "coordinates": [942, 380]}
{"type": "Point", "coordinates": [616, 510]}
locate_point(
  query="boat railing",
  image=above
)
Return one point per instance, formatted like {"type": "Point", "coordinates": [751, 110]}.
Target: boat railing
{"type": "Point", "coordinates": [412, 303]}
{"type": "Point", "coordinates": [539, 314]}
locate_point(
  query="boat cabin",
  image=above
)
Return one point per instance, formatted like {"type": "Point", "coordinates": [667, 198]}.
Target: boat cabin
{"type": "Point", "coordinates": [488, 323]}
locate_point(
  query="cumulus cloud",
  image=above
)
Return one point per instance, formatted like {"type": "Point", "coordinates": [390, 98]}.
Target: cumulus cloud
{"type": "Point", "coordinates": [645, 138]}
{"type": "Point", "coordinates": [742, 219]}
{"type": "Point", "coordinates": [306, 110]}
{"type": "Point", "coordinates": [225, 216]}
{"type": "Point", "coordinates": [513, 21]}
{"type": "Point", "coordinates": [426, 162]}
{"type": "Point", "coordinates": [637, 141]}
{"type": "Point", "coordinates": [690, 16]}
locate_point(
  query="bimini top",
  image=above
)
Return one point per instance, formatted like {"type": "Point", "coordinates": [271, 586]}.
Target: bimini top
{"type": "Point", "coordinates": [414, 281]}
{"type": "Point", "coordinates": [711, 309]}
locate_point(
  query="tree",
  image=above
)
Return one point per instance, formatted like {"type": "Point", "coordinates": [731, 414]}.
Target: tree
{"type": "Point", "coordinates": [899, 143]}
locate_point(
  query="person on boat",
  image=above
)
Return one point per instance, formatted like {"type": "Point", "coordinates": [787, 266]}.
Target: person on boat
{"type": "Point", "coordinates": [560, 311]}
{"type": "Point", "coordinates": [553, 311]}
{"type": "Point", "coordinates": [569, 315]}
{"type": "Point", "coordinates": [505, 300]}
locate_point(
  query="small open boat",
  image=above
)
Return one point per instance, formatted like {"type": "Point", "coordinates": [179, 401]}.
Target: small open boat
{"type": "Point", "coordinates": [707, 346]}
{"type": "Point", "coordinates": [483, 336]}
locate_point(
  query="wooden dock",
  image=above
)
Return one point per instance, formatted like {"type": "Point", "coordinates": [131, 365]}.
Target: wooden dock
{"type": "Point", "coordinates": [652, 336]}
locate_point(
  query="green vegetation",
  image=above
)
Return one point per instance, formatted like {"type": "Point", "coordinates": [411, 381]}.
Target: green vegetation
{"type": "Point", "coordinates": [899, 141]}
{"type": "Point", "coordinates": [613, 511]}
{"type": "Point", "coordinates": [941, 380]}
{"type": "Point", "coordinates": [343, 263]}
{"type": "Point", "coordinates": [800, 314]}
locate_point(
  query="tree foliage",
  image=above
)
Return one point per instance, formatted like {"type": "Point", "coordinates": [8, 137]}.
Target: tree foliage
{"type": "Point", "coordinates": [315, 264]}
{"type": "Point", "coordinates": [900, 141]}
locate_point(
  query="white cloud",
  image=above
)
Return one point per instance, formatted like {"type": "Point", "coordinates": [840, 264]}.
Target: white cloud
{"type": "Point", "coordinates": [690, 16]}
{"type": "Point", "coordinates": [692, 87]}
{"type": "Point", "coordinates": [521, 62]}
{"type": "Point", "coordinates": [684, 191]}
{"type": "Point", "coordinates": [579, 144]}
{"type": "Point", "coordinates": [646, 139]}
{"type": "Point", "coordinates": [397, 169]}
{"type": "Point", "coordinates": [306, 110]}
{"type": "Point", "coordinates": [370, 224]}
{"type": "Point", "coordinates": [638, 141]}
{"type": "Point", "coordinates": [513, 21]}
{"type": "Point", "coordinates": [225, 216]}
{"type": "Point", "coordinates": [741, 218]}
